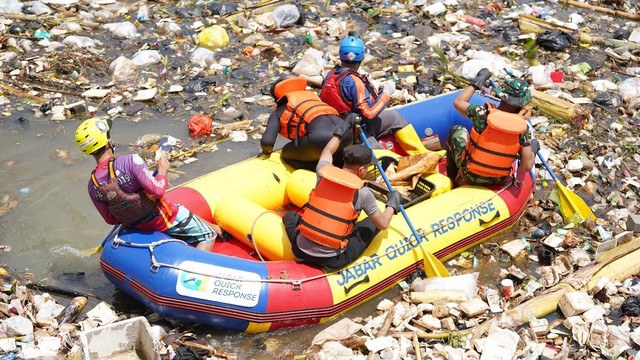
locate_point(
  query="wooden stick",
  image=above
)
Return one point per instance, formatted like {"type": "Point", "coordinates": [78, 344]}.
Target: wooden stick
{"type": "Point", "coordinates": [602, 9]}
{"type": "Point", "coordinates": [18, 92]}
{"type": "Point", "coordinates": [416, 346]}
{"type": "Point", "coordinates": [387, 322]}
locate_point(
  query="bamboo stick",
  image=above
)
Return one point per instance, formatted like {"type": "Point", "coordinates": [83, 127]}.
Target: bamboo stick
{"type": "Point", "coordinates": [18, 92]}
{"type": "Point", "coordinates": [559, 108]}
{"type": "Point", "coordinates": [602, 9]}
{"type": "Point", "coordinates": [531, 24]}
{"type": "Point", "coordinates": [387, 322]}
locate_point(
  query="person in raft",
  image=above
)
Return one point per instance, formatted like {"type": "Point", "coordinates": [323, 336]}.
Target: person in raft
{"type": "Point", "coordinates": [349, 92]}
{"type": "Point", "coordinates": [328, 234]}
{"type": "Point", "coordinates": [303, 118]}
{"type": "Point", "coordinates": [125, 191]}
{"type": "Point", "coordinates": [498, 135]}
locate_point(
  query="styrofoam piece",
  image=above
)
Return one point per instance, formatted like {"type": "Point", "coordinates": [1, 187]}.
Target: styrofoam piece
{"type": "Point", "coordinates": [127, 336]}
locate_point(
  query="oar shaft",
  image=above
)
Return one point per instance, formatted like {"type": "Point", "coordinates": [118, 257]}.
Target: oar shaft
{"type": "Point", "coordinates": [388, 183]}
{"type": "Point", "coordinates": [546, 165]}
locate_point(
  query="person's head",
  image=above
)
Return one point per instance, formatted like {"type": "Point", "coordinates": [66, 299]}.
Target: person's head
{"type": "Point", "coordinates": [516, 93]}
{"type": "Point", "coordinates": [357, 158]}
{"type": "Point", "coordinates": [93, 136]}
{"type": "Point", "coordinates": [286, 84]}
{"type": "Point", "coordinates": [351, 51]}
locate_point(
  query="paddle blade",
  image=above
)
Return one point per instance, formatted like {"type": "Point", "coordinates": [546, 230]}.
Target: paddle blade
{"type": "Point", "coordinates": [89, 252]}
{"type": "Point", "coordinates": [572, 205]}
{"type": "Point", "coordinates": [432, 266]}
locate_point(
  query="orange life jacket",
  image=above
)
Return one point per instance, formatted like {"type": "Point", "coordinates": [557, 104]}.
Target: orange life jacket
{"type": "Point", "coordinates": [301, 109]}
{"type": "Point", "coordinates": [130, 209]}
{"type": "Point", "coordinates": [492, 152]}
{"type": "Point", "coordinates": [329, 216]}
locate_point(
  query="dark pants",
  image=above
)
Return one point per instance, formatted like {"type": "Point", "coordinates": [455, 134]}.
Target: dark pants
{"type": "Point", "coordinates": [307, 152]}
{"type": "Point", "coordinates": [363, 233]}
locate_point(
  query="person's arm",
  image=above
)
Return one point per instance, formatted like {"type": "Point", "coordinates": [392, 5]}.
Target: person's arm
{"type": "Point", "coordinates": [101, 206]}
{"type": "Point", "coordinates": [272, 130]}
{"type": "Point", "coordinates": [330, 149]}
{"type": "Point", "coordinates": [461, 103]}
{"type": "Point", "coordinates": [527, 158]}
{"type": "Point", "coordinates": [381, 219]}
{"type": "Point", "coordinates": [153, 185]}
{"type": "Point", "coordinates": [360, 98]}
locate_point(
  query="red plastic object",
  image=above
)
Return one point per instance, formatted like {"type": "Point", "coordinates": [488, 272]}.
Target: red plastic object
{"type": "Point", "coordinates": [557, 76]}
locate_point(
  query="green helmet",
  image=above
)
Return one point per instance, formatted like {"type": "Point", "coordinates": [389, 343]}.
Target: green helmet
{"type": "Point", "coordinates": [516, 92]}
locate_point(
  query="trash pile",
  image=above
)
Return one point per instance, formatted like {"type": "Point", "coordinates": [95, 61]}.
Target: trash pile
{"type": "Point", "coordinates": [210, 64]}
{"type": "Point", "coordinates": [35, 326]}
{"type": "Point", "coordinates": [455, 318]}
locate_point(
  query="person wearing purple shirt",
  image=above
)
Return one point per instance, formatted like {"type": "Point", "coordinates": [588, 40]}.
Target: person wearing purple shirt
{"type": "Point", "coordinates": [125, 191]}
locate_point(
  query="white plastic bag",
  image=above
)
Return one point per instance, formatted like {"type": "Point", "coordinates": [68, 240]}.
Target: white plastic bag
{"type": "Point", "coordinates": [146, 57]}
{"type": "Point", "coordinates": [466, 283]}
{"type": "Point", "coordinates": [122, 30]}
{"type": "Point", "coordinates": [202, 57]}
{"type": "Point", "coordinates": [10, 6]}
{"type": "Point", "coordinates": [123, 69]}
{"type": "Point", "coordinates": [285, 15]}
{"type": "Point", "coordinates": [629, 89]}
{"type": "Point", "coordinates": [80, 41]}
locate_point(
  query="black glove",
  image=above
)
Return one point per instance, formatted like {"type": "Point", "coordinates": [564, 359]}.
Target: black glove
{"type": "Point", "coordinates": [266, 150]}
{"type": "Point", "coordinates": [346, 125]}
{"type": "Point", "coordinates": [483, 75]}
{"type": "Point", "coordinates": [535, 146]}
{"type": "Point", "coordinates": [393, 201]}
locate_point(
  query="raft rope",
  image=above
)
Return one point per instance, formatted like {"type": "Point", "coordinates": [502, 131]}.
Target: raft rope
{"type": "Point", "coordinates": [253, 225]}
{"type": "Point", "coordinates": [156, 265]}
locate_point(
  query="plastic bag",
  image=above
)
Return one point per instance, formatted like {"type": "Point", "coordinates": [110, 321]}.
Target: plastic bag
{"type": "Point", "coordinates": [80, 41]}
{"type": "Point", "coordinates": [629, 89]}
{"type": "Point", "coordinates": [466, 283]}
{"type": "Point", "coordinates": [200, 124]}
{"type": "Point", "coordinates": [146, 57]}
{"type": "Point", "coordinates": [199, 85]}
{"type": "Point", "coordinates": [621, 34]}
{"type": "Point", "coordinates": [123, 69]}
{"type": "Point", "coordinates": [213, 37]}
{"type": "Point", "coordinates": [202, 56]}
{"type": "Point", "coordinates": [285, 15]}
{"type": "Point", "coordinates": [222, 8]}
{"type": "Point", "coordinates": [607, 99]}
{"type": "Point", "coordinates": [631, 306]}
{"type": "Point", "coordinates": [10, 7]}
{"type": "Point", "coordinates": [122, 30]}
{"type": "Point", "coordinates": [554, 40]}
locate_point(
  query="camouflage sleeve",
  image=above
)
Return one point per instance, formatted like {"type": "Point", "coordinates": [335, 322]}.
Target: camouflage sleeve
{"type": "Point", "coordinates": [525, 138]}
{"type": "Point", "coordinates": [478, 116]}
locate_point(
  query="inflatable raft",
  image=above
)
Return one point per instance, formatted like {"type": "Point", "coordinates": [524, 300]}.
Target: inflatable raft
{"type": "Point", "coordinates": [253, 283]}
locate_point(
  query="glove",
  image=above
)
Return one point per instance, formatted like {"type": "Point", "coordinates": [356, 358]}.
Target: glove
{"type": "Point", "coordinates": [393, 201]}
{"type": "Point", "coordinates": [535, 146]}
{"type": "Point", "coordinates": [483, 75]}
{"type": "Point", "coordinates": [389, 87]}
{"type": "Point", "coordinates": [267, 150]}
{"type": "Point", "coordinates": [345, 126]}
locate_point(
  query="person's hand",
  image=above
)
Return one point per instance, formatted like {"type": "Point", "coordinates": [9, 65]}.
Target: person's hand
{"type": "Point", "coordinates": [345, 126]}
{"type": "Point", "coordinates": [267, 150]}
{"type": "Point", "coordinates": [393, 201]}
{"type": "Point", "coordinates": [163, 165]}
{"type": "Point", "coordinates": [483, 75]}
{"type": "Point", "coordinates": [389, 87]}
{"type": "Point", "coordinates": [535, 146]}
{"type": "Point", "coordinates": [217, 229]}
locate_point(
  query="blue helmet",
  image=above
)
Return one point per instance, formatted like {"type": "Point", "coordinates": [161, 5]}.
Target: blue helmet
{"type": "Point", "coordinates": [352, 49]}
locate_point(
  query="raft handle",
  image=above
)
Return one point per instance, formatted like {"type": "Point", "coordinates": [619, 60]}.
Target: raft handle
{"type": "Point", "coordinates": [154, 268]}
{"type": "Point", "coordinates": [347, 289]}
{"type": "Point", "coordinates": [296, 285]}
{"type": "Point", "coordinates": [495, 216]}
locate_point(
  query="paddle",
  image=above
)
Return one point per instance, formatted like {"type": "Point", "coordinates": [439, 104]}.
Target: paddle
{"type": "Point", "coordinates": [570, 204]}
{"type": "Point", "coordinates": [97, 249]}
{"type": "Point", "coordinates": [432, 266]}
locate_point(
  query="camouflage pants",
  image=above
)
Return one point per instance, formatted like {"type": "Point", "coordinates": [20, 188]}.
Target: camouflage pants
{"type": "Point", "coordinates": [456, 143]}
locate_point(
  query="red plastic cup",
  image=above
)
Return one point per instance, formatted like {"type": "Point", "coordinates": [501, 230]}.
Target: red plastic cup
{"type": "Point", "coordinates": [557, 76]}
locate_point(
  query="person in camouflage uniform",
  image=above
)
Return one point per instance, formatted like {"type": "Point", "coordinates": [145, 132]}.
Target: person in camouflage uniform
{"type": "Point", "coordinates": [515, 95]}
